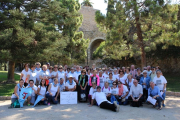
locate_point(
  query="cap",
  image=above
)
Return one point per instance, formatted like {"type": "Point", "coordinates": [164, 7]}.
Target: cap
{"type": "Point", "coordinates": [70, 76]}
{"type": "Point", "coordinates": [47, 63]}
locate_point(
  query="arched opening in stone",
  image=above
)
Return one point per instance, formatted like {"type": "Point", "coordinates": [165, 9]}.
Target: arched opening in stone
{"type": "Point", "coordinates": [94, 45]}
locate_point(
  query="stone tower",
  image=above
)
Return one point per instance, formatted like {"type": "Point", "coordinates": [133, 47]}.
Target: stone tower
{"type": "Point", "coordinates": [91, 32]}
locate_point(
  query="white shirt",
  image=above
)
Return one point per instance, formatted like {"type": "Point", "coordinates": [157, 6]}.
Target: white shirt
{"type": "Point", "coordinates": [92, 91]}
{"type": "Point", "coordinates": [61, 75]}
{"type": "Point", "coordinates": [44, 73]}
{"type": "Point", "coordinates": [42, 90]}
{"type": "Point", "coordinates": [105, 76]}
{"type": "Point", "coordinates": [77, 74]}
{"type": "Point", "coordinates": [100, 97]}
{"type": "Point", "coordinates": [33, 76]}
{"type": "Point", "coordinates": [116, 76]}
{"type": "Point", "coordinates": [160, 82]}
{"type": "Point", "coordinates": [25, 74]}
{"type": "Point", "coordinates": [62, 87]}
{"type": "Point", "coordinates": [106, 90]}
{"type": "Point", "coordinates": [88, 77]}
{"type": "Point", "coordinates": [122, 79]}
{"type": "Point", "coordinates": [130, 83]}
{"type": "Point", "coordinates": [101, 82]}
{"type": "Point", "coordinates": [135, 91]}
{"type": "Point", "coordinates": [70, 86]}
{"type": "Point", "coordinates": [73, 74]}
{"type": "Point", "coordinates": [115, 91]}
{"type": "Point", "coordinates": [125, 90]}
{"type": "Point", "coordinates": [37, 73]}
{"type": "Point", "coordinates": [53, 89]}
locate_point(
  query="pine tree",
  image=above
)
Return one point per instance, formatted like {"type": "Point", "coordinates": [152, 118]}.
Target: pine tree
{"type": "Point", "coordinates": [87, 3]}
{"type": "Point", "coordinates": [136, 27]}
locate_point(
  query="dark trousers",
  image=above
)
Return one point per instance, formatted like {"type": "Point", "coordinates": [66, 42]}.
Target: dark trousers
{"type": "Point", "coordinates": [107, 105]}
{"type": "Point", "coordinates": [51, 98]}
{"type": "Point", "coordinates": [82, 91]}
{"type": "Point", "coordinates": [145, 94]}
{"type": "Point", "coordinates": [159, 100]}
{"type": "Point", "coordinates": [120, 100]}
{"type": "Point", "coordinates": [135, 104]}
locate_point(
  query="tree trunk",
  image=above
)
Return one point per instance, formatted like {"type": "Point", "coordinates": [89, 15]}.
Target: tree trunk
{"type": "Point", "coordinates": [141, 45]}
{"type": "Point", "coordinates": [11, 69]}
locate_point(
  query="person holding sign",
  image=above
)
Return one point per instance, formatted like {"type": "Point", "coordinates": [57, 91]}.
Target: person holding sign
{"type": "Point", "coordinates": [82, 85]}
{"type": "Point", "coordinates": [17, 90]}
{"type": "Point", "coordinates": [53, 92]}
{"type": "Point", "coordinates": [31, 98]}
{"type": "Point", "coordinates": [154, 92]}
{"type": "Point", "coordinates": [161, 82]}
{"type": "Point", "coordinates": [102, 101]}
{"type": "Point", "coordinates": [25, 74]}
{"type": "Point", "coordinates": [70, 84]}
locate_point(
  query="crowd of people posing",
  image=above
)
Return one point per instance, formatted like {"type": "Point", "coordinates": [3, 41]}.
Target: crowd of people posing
{"type": "Point", "coordinates": [104, 87]}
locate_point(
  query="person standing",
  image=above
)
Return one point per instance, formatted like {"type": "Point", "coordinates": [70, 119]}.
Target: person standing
{"type": "Point", "coordinates": [138, 75]}
{"type": "Point", "coordinates": [25, 74]}
{"type": "Point", "coordinates": [38, 70]}
{"type": "Point", "coordinates": [133, 71]}
{"type": "Point", "coordinates": [153, 73]}
{"type": "Point", "coordinates": [94, 78]}
{"type": "Point", "coordinates": [44, 74]}
{"type": "Point", "coordinates": [122, 78]}
{"type": "Point", "coordinates": [33, 75]}
{"type": "Point", "coordinates": [161, 82]}
{"type": "Point", "coordinates": [82, 84]}
{"type": "Point", "coordinates": [61, 74]}
{"type": "Point", "coordinates": [144, 81]}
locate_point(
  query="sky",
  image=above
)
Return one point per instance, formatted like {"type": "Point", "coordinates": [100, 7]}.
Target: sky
{"type": "Point", "coordinates": [98, 4]}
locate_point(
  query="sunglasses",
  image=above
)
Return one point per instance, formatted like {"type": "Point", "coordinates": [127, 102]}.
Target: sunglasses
{"type": "Point", "coordinates": [60, 68]}
{"type": "Point", "coordinates": [144, 73]}
{"type": "Point", "coordinates": [37, 64]}
{"type": "Point", "coordinates": [114, 84]}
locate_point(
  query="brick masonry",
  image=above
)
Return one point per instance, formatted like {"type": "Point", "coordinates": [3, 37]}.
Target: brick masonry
{"type": "Point", "coordinates": [90, 30]}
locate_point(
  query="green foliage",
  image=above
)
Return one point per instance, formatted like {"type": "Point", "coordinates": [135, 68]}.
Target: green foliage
{"type": "Point", "coordinates": [133, 28]}
{"type": "Point", "coordinates": [87, 3]}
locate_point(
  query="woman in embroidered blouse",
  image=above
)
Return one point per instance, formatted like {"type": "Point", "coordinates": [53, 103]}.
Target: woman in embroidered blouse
{"type": "Point", "coordinates": [82, 84]}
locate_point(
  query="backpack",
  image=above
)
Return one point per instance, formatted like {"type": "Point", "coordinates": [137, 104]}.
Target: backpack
{"type": "Point", "coordinates": [16, 104]}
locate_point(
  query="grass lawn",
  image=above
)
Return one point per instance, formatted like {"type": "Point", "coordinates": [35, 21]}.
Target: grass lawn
{"type": "Point", "coordinates": [7, 89]}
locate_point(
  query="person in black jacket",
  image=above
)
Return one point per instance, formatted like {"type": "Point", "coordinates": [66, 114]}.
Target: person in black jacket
{"type": "Point", "coordinates": [82, 86]}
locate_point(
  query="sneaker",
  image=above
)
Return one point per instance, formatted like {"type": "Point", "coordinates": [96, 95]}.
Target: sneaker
{"type": "Point", "coordinates": [163, 105]}
{"type": "Point", "coordinates": [117, 106]}
{"type": "Point", "coordinates": [49, 104]}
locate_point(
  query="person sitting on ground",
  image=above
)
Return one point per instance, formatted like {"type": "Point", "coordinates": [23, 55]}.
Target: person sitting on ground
{"type": "Point", "coordinates": [107, 90]}
{"type": "Point", "coordinates": [92, 91]}
{"type": "Point", "coordinates": [42, 91]}
{"type": "Point", "coordinates": [53, 92]}
{"type": "Point", "coordinates": [114, 92]}
{"type": "Point", "coordinates": [154, 92]}
{"type": "Point", "coordinates": [161, 82]}
{"type": "Point", "coordinates": [82, 85]}
{"type": "Point", "coordinates": [136, 93]}
{"type": "Point", "coordinates": [102, 101]}
{"type": "Point", "coordinates": [94, 78]}
{"type": "Point", "coordinates": [123, 94]}
{"type": "Point", "coordinates": [32, 97]}
{"type": "Point", "coordinates": [70, 84]}
{"type": "Point", "coordinates": [17, 90]}
{"type": "Point", "coordinates": [144, 81]}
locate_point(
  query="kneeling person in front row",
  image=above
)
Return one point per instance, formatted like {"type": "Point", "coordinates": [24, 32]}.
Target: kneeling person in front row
{"type": "Point", "coordinates": [102, 101]}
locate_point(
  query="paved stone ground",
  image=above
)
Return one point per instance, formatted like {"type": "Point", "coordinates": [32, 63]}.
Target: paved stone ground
{"type": "Point", "coordinates": [81, 111]}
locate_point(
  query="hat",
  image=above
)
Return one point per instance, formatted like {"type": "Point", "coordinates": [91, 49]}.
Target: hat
{"type": "Point", "coordinates": [145, 71]}
{"type": "Point", "coordinates": [47, 63]}
{"type": "Point", "coordinates": [70, 76]}
{"type": "Point", "coordinates": [98, 87]}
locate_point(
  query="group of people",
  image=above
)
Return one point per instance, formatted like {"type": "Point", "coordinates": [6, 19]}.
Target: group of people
{"type": "Point", "coordinates": [104, 87]}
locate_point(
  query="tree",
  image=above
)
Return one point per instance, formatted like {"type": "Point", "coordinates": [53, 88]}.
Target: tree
{"type": "Point", "coordinates": [87, 3]}
{"type": "Point", "coordinates": [136, 27]}
{"type": "Point", "coordinates": [35, 30]}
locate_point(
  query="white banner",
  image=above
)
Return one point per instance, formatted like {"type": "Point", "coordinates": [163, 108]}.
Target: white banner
{"type": "Point", "coordinates": [68, 97]}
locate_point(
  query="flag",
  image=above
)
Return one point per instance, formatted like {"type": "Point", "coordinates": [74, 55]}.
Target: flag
{"type": "Point", "coordinates": [25, 93]}
{"type": "Point", "coordinates": [39, 98]}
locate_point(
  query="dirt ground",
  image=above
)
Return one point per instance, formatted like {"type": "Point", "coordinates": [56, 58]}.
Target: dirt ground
{"type": "Point", "coordinates": [81, 111]}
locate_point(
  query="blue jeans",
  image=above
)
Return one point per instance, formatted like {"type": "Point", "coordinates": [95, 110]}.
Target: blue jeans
{"type": "Point", "coordinates": [123, 103]}
{"type": "Point", "coordinates": [51, 98]}
{"type": "Point", "coordinates": [164, 95]}
{"type": "Point", "coordinates": [159, 100]}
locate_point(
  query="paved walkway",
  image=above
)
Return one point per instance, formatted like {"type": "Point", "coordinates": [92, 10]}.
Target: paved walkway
{"type": "Point", "coordinates": [81, 111]}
